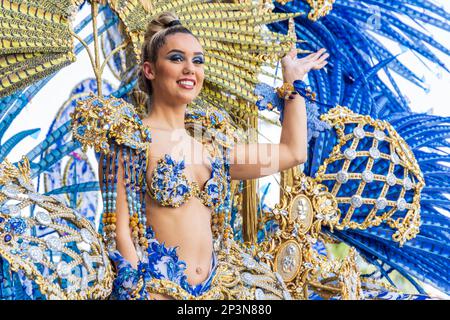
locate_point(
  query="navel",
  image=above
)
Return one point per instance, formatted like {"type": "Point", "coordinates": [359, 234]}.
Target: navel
{"type": "Point", "coordinates": [198, 270]}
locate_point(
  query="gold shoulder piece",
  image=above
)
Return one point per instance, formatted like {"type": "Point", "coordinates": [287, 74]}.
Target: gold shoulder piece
{"type": "Point", "coordinates": [98, 121]}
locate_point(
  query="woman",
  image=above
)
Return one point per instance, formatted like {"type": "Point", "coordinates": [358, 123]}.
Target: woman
{"type": "Point", "coordinates": [182, 175]}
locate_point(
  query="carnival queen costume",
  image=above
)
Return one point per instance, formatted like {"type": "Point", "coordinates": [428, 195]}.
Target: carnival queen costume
{"type": "Point", "coordinates": [375, 178]}
{"type": "Point", "coordinates": [115, 128]}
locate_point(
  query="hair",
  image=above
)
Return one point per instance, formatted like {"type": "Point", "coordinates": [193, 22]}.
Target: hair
{"type": "Point", "coordinates": [155, 37]}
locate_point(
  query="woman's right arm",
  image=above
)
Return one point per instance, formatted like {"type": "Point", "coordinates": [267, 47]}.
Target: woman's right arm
{"type": "Point", "coordinates": [123, 239]}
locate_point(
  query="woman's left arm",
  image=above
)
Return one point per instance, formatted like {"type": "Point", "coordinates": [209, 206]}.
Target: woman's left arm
{"type": "Point", "coordinates": [256, 160]}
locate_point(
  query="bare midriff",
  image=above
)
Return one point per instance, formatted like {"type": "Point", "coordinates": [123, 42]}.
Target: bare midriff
{"type": "Point", "coordinates": [187, 227]}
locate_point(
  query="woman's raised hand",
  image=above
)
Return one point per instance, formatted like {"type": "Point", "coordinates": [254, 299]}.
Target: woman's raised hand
{"type": "Point", "coordinates": [296, 69]}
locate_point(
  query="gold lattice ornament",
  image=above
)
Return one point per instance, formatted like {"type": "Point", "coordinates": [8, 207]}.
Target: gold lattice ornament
{"type": "Point", "coordinates": [373, 175]}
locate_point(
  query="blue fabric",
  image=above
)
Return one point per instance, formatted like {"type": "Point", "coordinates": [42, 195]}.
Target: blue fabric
{"type": "Point", "coordinates": [15, 286]}
{"type": "Point", "coordinates": [161, 262]}
{"type": "Point", "coordinates": [268, 98]}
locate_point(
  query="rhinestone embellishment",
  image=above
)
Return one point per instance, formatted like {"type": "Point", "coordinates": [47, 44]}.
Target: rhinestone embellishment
{"type": "Point", "coordinates": [35, 254]}
{"type": "Point", "coordinates": [84, 246]}
{"type": "Point", "coordinates": [350, 154]}
{"type": "Point", "coordinates": [259, 294]}
{"type": "Point", "coordinates": [342, 176]}
{"type": "Point", "coordinates": [367, 176]}
{"type": "Point", "coordinates": [87, 259]}
{"type": "Point", "coordinates": [86, 236]}
{"type": "Point", "coordinates": [101, 273]}
{"type": "Point", "coordinates": [14, 211]}
{"type": "Point", "coordinates": [356, 201]}
{"type": "Point", "coordinates": [10, 191]}
{"type": "Point", "coordinates": [407, 183]}
{"type": "Point", "coordinates": [43, 218]}
{"type": "Point", "coordinates": [379, 135]}
{"type": "Point", "coordinates": [63, 269]}
{"type": "Point", "coordinates": [247, 278]}
{"type": "Point", "coordinates": [248, 261]}
{"type": "Point", "coordinates": [391, 179]}
{"type": "Point", "coordinates": [394, 158]}
{"type": "Point", "coordinates": [359, 133]}
{"type": "Point", "coordinates": [36, 197]}
{"type": "Point", "coordinates": [401, 204]}
{"type": "Point", "coordinates": [374, 153]}
{"type": "Point", "coordinates": [53, 243]}
{"type": "Point", "coordinates": [381, 203]}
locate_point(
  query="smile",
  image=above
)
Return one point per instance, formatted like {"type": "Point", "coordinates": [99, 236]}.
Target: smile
{"type": "Point", "coordinates": [186, 84]}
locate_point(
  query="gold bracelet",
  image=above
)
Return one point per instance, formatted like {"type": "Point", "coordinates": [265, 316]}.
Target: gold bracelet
{"type": "Point", "coordinates": [286, 91]}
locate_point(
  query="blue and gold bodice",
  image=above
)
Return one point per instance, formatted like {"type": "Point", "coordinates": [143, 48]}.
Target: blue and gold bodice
{"type": "Point", "coordinates": [114, 129]}
{"type": "Point", "coordinates": [170, 187]}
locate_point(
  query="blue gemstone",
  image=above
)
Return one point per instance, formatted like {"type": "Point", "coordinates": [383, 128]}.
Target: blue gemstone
{"type": "Point", "coordinates": [1, 220]}
{"type": "Point", "coordinates": [8, 238]}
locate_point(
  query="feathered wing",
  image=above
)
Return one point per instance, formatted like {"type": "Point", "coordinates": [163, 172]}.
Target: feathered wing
{"type": "Point", "coordinates": [13, 104]}
{"type": "Point", "coordinates": [350, 30]}
{"type": "Point", "coordinates": [427, 139]}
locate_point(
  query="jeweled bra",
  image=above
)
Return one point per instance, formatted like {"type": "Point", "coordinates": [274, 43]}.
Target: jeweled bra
{"type": "Point", "coordinates": [170, 187]}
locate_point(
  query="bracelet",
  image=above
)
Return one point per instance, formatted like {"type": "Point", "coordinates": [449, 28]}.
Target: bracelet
{"type": "Point", "coordinates": [304, 90]}
{"type": "Point", "coordinates": [286, 91]}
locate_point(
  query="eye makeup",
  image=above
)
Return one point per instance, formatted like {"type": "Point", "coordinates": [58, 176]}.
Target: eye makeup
{"type": "Point", "coordinates": [198, 59]}
{"type": "Point", "coordinates": [176, 57]}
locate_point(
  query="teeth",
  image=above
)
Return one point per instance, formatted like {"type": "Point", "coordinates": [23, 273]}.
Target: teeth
{"type": "Point", "coordinates": [188, 83]}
